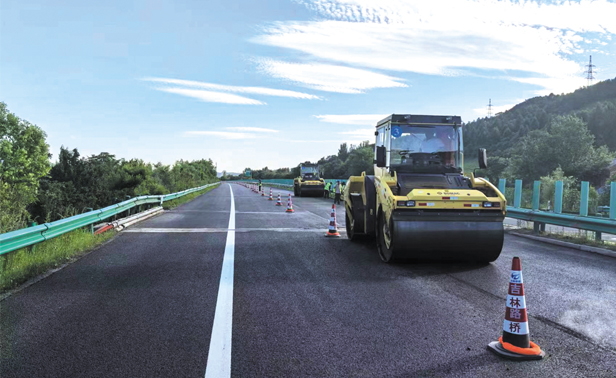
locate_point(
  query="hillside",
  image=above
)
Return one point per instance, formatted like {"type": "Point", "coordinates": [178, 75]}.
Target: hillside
{"type": "Point", "coordinates": [596, 105]}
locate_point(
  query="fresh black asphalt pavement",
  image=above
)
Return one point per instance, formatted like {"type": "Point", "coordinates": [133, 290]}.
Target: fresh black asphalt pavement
{"type": "Point", "coordinates": [304, 304]}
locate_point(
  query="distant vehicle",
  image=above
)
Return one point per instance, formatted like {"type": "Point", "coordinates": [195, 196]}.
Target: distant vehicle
{"type": "Point", "coordinates": [419, 203]}
{"type": "Point", "coordinates": [308, 183]}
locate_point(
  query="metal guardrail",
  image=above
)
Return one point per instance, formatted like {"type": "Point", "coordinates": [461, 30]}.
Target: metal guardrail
{"type": "Point", "coordinates": [581, 221]}
{"type": "Point", "coordinates": [25, 237]}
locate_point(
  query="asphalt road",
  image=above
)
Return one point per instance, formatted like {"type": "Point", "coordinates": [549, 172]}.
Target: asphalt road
{"type": "Point", "coordinates": [143, 305]}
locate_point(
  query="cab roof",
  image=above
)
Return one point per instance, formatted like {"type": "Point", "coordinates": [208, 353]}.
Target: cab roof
{"type": "Point", "coordinates": [421, 119]}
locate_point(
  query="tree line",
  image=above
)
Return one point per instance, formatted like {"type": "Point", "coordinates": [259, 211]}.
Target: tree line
{"type": "Point", "coordinates": [351, 160]}
{"type": "Point", "coordinates": [32, 188]}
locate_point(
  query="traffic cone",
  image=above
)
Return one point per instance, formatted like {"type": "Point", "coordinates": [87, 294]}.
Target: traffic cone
{"type": "Point", "coordinates": [515, 343]}
{"type": "Point", "coordinates": [333, 229]}
{"type": "Point", "coordinates": [290, 205]}
{"type": "Point", "coordinates": [263, 192]}
{"type": "Point", "coordinates": [270, 197]}
{"type": "Point", "coordinates": [279, 202]}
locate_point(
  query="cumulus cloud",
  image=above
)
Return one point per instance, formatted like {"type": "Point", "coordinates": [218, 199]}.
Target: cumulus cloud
{"type": "Point", "coordinates": [330, 78]}
{"type": "Point", "coordinates": [534, 41]}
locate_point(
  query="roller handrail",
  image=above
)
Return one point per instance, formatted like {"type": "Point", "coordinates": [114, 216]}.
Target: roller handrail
{"type": "Point", "coordinates": [14, 240]}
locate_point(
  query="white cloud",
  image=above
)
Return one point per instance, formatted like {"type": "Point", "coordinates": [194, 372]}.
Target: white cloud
{"type": "Point", "coordinates": [579, 16]}
{"type": "Point", "coordinates": [230, 88]}
{"type": "Point", "coordinates": [255, 129]}
{"type": "Point", "coordinates": [330, 78]}
{"type": "Point", "coordinates": [209, 96]}
{"type": "Point", "coordinates": [222, 134]}
{"type": "Point", "coordinates": [449, 37]}
{"type": "Point", "coordinates": [352, 119]}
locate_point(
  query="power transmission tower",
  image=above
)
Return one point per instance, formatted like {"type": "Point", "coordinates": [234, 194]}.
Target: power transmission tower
{"type": "Point", "coordinates": [589, 74]}
{"type": "Point", "coordinates": [490, 108]}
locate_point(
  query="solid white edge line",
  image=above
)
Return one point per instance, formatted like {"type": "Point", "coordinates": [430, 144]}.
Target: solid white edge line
{"type": "Point", "coordinates": [219, 355]}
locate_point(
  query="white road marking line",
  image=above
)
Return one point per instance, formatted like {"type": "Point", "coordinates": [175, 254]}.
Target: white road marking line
{"type": "Point", "coordinates": [219, 356]}
{"type": "Point", "coordinates": [211, 230]}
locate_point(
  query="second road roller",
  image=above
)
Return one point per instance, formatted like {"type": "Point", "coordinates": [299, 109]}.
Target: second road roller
{"type": "Point", "coordinates": [308, 183]}
{"type": "Point", "coordinates": [420, 204]}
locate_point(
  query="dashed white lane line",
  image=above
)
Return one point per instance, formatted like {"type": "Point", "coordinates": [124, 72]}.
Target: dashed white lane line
{"type": "Point", "coordinates": [219, 356]}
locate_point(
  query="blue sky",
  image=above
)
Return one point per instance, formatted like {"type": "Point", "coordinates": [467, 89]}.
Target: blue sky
{"type": "Point", "coordinates": [274, 83]}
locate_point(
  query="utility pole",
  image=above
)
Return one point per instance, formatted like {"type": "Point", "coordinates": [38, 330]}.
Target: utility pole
{"type": "Point", "coordinates": [490, 108]}
{"type": "Point", "coordinates": [589, 74]}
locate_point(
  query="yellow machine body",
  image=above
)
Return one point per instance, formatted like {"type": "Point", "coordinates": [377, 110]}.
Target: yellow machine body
{"type": "Point", "coordinates": [425, 209]}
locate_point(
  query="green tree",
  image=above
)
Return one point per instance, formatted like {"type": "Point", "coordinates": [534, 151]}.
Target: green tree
{"type": "Point", "coordinates": [360, 160]}
{"type": "Point", "coordinates": [566, 143]}
{"type": "Point", "coordinates": [24, 159]}
{"type": "Point", "coordinates": [343, 152]}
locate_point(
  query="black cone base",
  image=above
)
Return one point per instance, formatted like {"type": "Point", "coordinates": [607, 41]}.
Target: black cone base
{"type": "Point", "coordinates": [497, 348]}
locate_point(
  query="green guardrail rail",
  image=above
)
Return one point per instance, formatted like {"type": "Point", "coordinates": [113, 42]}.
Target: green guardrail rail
{"type": "Point", "coordinates": [25, 237]}
{"type": "Point", "coordinates": [580, 221]}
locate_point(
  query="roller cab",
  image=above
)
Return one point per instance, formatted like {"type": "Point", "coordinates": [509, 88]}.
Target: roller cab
{"type": "Point", "coordinates": [309, 183]}
{"type": "Point", "coordinates": [419, 204]}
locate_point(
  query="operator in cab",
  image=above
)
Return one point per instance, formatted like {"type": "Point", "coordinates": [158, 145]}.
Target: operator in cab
{"type": "Point", "coordinates": [441, 141]}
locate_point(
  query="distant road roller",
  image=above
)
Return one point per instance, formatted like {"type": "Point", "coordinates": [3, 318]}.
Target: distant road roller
{"type": "Point", "coordinates": [419, 204]}
{"type": "Point", "coordinates": [308, 183]}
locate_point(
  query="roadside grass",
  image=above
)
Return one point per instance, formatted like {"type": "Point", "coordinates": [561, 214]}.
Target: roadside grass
{"type": "Point", "coordinates": [187, 198]}
{"type": "Point", "coordinates": [23, 264]}
{"type": "Point", "coordinates": [582, 237]}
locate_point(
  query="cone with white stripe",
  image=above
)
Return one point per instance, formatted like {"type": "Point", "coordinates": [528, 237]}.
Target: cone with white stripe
{"type": "Point", "coordinates": [270, 197]}
{"type": "Point", "coordinates": [279, 201]}
{"type": "Point", "coordinates": [333, 228]}
{"type": "Point", "coordinates": [263, 192]}
{"type": "Point", "coordinates": [290, 205]}
{"type": "Point", "coordinates": [515, 343]}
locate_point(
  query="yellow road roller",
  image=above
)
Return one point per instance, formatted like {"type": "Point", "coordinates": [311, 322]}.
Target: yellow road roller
{"type": "Point", "coordinates": [419, 204]}
{"type": "Point", "coordinates": [309, 182]}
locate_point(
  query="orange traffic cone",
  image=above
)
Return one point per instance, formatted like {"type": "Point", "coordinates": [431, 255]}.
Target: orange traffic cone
{"type": "Point", "coordinates": [333, 229]}
{"type": "Point", "coordinates": [515, 343]}
{"type": "Point", "coordinates": [270, 197]}
{"type": "Point", "coordinates": [263, 192]}
{"type": "Point", "coordinates": [279, 202]}
{"type": "Point", "coordinates": [290, 205]}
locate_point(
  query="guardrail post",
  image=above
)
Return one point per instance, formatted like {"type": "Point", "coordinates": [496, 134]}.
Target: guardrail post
{"type": "Point", "coordinates": [32, 224]}
{"type": "Point", "coordinates": [584, 199]}
{"type": "Point", "coordinates": [537, 226]}
{"type": "Point", "coordinates": [517, 197]}
{"type": "Point", "coordinates": [558, 197]}
{"type": "Point", "coordinates": [613, 200]}
{"type": "Point", "coordinates": [536, 191]}
{"type": "Point", "coordinates": [91, 224]}
{"type": "Point", "coordinates": [502, 183]}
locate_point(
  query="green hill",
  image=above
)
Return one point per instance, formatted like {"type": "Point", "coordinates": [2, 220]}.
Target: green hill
{"type": "Point", "coordinates": [501, 134]}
